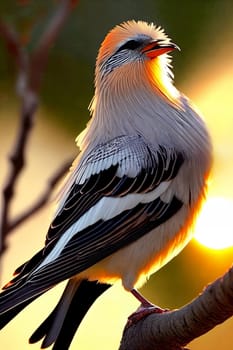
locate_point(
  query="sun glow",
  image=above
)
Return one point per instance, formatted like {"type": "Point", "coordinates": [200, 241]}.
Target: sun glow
{"type": "Point", "coordinates": [214, 228]}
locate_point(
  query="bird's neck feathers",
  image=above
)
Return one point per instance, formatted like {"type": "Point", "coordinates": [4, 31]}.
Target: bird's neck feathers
{"type": "Point", "coordinates": [158, 72]}
{"type": "Point", "coordinates": [129, 99]}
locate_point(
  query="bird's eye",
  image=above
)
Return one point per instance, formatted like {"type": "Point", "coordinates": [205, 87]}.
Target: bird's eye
{"type": "Point", "coordinates": [130, 45]}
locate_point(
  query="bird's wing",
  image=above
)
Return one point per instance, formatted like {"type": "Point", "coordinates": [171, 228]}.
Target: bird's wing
{"type": "Point", "coordinates": [114, 200]}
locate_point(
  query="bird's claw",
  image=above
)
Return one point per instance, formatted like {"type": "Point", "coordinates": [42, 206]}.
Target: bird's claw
{"type": "Point", "coordinates": [142, 312]}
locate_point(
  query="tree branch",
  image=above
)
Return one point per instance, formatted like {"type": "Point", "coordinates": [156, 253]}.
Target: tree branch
{"type": "Point", "coordinates": [174, 329]}
{"type": "Point", "coordinates": [43, 199]}
{"type": "Point", "coordinates": [13, 45]}
{"type": "Point", "coordinates": [47, 40]}
{"type": "Point", "coordinates": [30, 71]}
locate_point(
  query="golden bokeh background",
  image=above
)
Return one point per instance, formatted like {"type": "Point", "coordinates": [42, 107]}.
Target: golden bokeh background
{"type": "Point", "coordinates": [203, 71]}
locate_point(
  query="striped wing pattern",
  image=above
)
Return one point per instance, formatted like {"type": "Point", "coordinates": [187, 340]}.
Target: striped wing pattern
{"type": "Point", "coordinates": [123, 167]}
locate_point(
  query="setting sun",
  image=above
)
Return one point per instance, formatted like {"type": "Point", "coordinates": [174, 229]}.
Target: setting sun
{"type": "Point", "coordinates": [214, 227]}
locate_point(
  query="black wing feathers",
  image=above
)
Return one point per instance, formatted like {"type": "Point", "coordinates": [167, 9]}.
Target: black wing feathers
{"type": "Point", "coordinates": [103, 238]}
{"type": "Point", "coordinates": [106, 183]}
{"type": "Point", "coordinates": [108, 168]}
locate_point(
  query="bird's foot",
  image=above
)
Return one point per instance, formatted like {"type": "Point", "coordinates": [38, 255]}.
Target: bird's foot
{"type": "Point", "coordinates": [146, 308]}
{"type": "Point", "coordinates": [142, 312]}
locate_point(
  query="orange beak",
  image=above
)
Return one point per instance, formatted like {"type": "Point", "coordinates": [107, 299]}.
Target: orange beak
{"type": "Point", "coordinates": [158, 47]}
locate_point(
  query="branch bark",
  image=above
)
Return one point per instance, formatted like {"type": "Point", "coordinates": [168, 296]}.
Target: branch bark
{"type": "Point", "coordinates": [30, 71]}
{"type": "Point", "coordinates": [173, 330]}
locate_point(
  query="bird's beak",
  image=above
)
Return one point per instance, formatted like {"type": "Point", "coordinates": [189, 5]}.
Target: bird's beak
{"type": "Point", "coordinates": [158, 47]}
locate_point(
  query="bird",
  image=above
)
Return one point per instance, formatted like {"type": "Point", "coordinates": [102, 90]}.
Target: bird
{"type": "Point", "coordinates": [131, 198]}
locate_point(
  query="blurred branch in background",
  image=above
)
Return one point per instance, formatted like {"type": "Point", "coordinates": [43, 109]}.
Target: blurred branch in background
{"type": "Point", "coordinates": [173, 330]}
{"type": "Point", "coordinates": [31, 68]}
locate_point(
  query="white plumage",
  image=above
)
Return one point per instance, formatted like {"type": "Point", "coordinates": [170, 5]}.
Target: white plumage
{"type": "Point", "coordinates": [133, 192]}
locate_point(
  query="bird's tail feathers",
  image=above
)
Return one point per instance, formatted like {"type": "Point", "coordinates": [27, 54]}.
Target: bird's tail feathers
{"type": "Point", "coordinates": [52, 325]}
{"type": "Point", "coordinates": [60, 326]}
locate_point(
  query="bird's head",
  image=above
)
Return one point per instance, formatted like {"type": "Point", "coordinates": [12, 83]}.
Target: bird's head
{"type": "Point", "coordinates": [135, 53]}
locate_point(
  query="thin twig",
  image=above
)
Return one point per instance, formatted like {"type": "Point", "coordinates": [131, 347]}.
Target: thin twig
{"type": "Point", "coordinates": [43, 198]}
{"type": "Point", "coordinates": [30, 71]}
{"type": "Point", "coordinates": [47, 40]}
{"type": "Point", "coordinates": [17, 157]}
{"type": "Point", "coordinates": [17, 163]}
{"type": "Point", "coordinates": [12, 42]}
